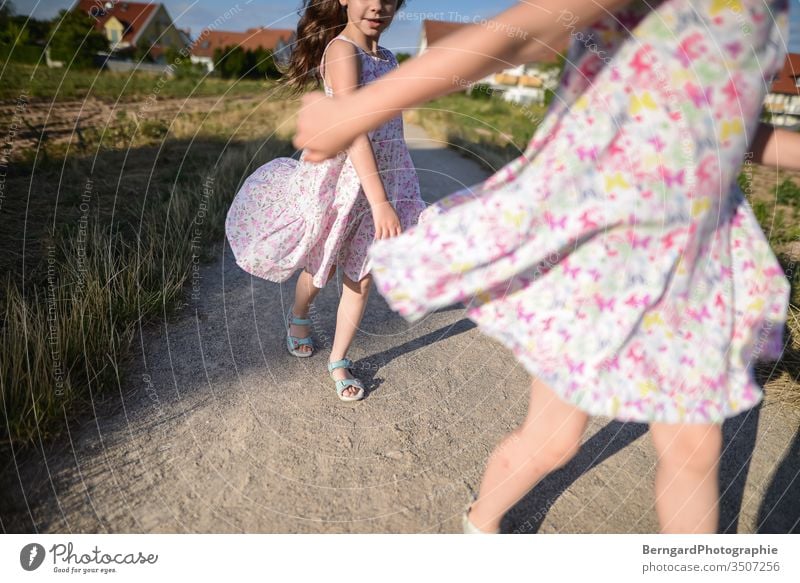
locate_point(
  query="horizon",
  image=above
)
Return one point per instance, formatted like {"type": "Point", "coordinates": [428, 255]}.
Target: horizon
{"type": "Point", "coordinates": [402, 36]}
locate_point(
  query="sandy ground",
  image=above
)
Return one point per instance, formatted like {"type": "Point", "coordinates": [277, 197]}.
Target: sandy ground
{"type": "Point", "coordinates": [219, 429]}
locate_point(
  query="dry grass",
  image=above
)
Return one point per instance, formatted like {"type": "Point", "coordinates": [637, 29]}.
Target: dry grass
{"type": "Point", "coordinates": [98, 241]}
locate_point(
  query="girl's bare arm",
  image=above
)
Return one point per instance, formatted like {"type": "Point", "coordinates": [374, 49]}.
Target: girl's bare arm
{"type": "Point", "coordinates": [468, 55]}
{"type": "Point", "coordinates": [776, 147]}
{"type": "Point", "coordinates": [342, 69]}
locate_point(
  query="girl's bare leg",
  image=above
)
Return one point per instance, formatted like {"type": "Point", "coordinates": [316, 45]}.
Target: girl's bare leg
{"type": "Point", "coordinates": [548, 438]}
{"type": "Point", "coordinates": [348, 318]}
{"type": "Point", "coordinates": [304, 294]}
{"type": "Point", "coordinates": [687, 482]}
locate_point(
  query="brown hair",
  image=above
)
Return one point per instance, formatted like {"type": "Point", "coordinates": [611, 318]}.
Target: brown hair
{"type": "Point", "coordinates": [320, 22]}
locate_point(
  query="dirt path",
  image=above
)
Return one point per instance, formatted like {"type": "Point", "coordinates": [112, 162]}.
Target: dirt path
{"type": "Point", "coordinates": [220, 430]}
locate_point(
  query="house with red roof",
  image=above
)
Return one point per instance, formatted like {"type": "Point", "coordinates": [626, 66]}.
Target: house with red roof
{"type": "Point", "coordinates": [783, 100]}
{"type": "Point", "coordinates": [129, 25]}
{"type": "Point", "coordinates": [276, 40]}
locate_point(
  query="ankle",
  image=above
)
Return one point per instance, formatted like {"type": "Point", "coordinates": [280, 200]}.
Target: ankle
{"type": "Point", "coordinates": [300, 313]}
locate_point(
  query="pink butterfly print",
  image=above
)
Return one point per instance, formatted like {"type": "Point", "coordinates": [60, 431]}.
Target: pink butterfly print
{"type": "Point", "coordinates": [581, 315]}
{"type": "Point", "coordinates": [703, 171]}
{"type": "Point", "coordinates": [595, 273]}
{"type": "Point", "coordinates": [586, 222]}
{"type": "Point", "coordinates": [615, 149]}
{"type": "Point", "coordinates": [698, 316]}
{"type": "Point", "coordinates": [587, 153]}
{"type": "Point", "coordinates": [687, 360]}
{"type": "Point", "coordinates": [734, 48]}
{"type": "Point", "coordinates": [671, 178]}
{"type": "Point", "coordinates": [523, 315]}
{"type": "Point", "coordinates": [547, 323]}
{"type": "Point", "coordinates": [714, 383]}
{"type": "Point", "coordinates": [635, 355]}
{"type": "Point", "coordinates": [719, 302]}
{"type": "Point", "coordinates": [604, 304]}
{"type": "Point", "coordinates": [571, 271]}
{"type": "Point", "coordinates": [658, 144]}
{"type": "Point", "coordinates": [565, 335]}
{"type": "Point", "coordinates": [634, 301]}
{"type": "Point", "coordinates": [731, 92]}
{"type": "Point", "coordinates": [726, 272]}
{"type": "Point", "coordinates": [641, 62]}
{"type": "Point", "coordinates": [638, 242]}
{"type": "Point", "coordinates": [691, 48]}
{"type": "Point", "coordinates": [613, 362]}
{"type": "Point", "coordinates": [574, 367]}
{"type": "Point", "coordinates": [749, 264]}
{"type": "Point", "coordinates": [699, 96]}
{"type": "Point", "coordinates": [773, 272]}
{"type": "Point", "coordinates": [561, 223]}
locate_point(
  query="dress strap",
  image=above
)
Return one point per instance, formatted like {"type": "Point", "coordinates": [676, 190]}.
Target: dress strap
{"type": "Point", "coordinates": [322, 60]}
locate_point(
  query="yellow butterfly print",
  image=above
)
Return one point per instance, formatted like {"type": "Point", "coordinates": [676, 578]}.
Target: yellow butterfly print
{"type": "Point", "coordinates": [642, 101]}
{"type": "Point", "coordinates": [731, 127]}
{"type": "Point", "coordinates": [461, 267]}
{"type": "Point", "coordinates": [700, 205]}
{"type": "Point", "coordinates": [515, 219]}
{"type": "Point", "coordinates": [616, 179]}
{"type": "Point", "coordinates": [647, 387]}
{"type": "Point", "coordinates": [652, 319]}
{"type": "Point", "coordinates": [718, 6]}
{"type": "Point", "coordinates": [581, 103]}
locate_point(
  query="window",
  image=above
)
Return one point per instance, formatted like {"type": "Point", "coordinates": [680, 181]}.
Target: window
{"type": "Point", "coordinates": [114, 33]}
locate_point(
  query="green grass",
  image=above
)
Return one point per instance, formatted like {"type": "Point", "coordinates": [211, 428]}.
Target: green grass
{"type": "Point", "coordinates": [491, 131]}
{"type": "Point", "coordinates": [92, 273]}
{"type": "Point", "coordinates": [40, 82]}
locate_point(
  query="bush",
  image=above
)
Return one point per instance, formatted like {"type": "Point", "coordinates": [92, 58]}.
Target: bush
{"type": "Point", "coordinates": [237, 63]}
{"type": "Point", "coordinates": [74, 39]}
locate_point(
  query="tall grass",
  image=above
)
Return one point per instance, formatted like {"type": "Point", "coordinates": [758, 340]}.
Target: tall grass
{"type": "Point", "coordinates": [63, 340]}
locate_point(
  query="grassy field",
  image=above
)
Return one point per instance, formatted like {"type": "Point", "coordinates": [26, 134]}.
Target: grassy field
{"type": "Point", "coordinates": [40, 82]}
{"type": "Point", "coordinates": [103, 235]}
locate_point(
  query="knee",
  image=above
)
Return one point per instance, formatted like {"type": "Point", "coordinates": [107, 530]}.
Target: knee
{"type": "Point", "coordinates": [688, 447]}
{"type": "Point", "coordinates": [361, 286]}
{"type": "Point", "coordinates": [553, 451]}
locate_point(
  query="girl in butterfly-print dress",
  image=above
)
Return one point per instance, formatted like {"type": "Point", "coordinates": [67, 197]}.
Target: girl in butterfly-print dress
{"type": "Point", "coordinates": [291, 215]}
{"type": "Point", "coordinates": [616, 257]}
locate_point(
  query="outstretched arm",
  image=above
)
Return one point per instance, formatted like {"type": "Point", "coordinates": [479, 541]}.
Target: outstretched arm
{"type": "Point", "coordinates": [327, 126]}
{"type": "Point", "coordinates": [776, 147]}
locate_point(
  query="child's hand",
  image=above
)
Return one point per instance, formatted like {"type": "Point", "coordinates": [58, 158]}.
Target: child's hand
{"type": "Point", "coordinates": [322, 129]}
{"type": "Point", "coordinates": [387, 223]}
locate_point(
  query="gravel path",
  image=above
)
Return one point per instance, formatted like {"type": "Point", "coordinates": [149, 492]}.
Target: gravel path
{"type": "Point", "coordinates": [220, 430]}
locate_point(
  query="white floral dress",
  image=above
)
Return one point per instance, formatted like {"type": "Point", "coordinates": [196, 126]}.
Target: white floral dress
{"type": "Point", "coordinates": [617, 257]}
{"type": "Point", "coordinates": [292, 214]}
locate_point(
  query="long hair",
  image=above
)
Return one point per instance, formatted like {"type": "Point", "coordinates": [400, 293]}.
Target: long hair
{"type": "Point", "coordinates": [320, 22]}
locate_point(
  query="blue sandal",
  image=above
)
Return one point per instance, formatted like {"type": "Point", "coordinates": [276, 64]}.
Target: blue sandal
{"type": "Point", "coordinates": [342, 384]}
{"type": "Point", "coordinates": [292, 342]}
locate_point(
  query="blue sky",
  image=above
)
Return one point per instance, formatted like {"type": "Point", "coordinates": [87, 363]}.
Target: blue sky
{"type": "Point", "coordinates": [403, 35]}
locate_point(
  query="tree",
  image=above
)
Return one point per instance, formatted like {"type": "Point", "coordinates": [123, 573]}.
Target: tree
{"type": "Point", "coordinates": [74, 39]}
{"type": "Point", "coordinates": [237, 63]}
{"type": "Point", "coordinates": [402, 57]}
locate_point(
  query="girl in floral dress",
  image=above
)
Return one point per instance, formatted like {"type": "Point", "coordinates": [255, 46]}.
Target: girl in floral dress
{"type": "Point", "coordinates": [616, 257]}
{"type": "Point", "coordinates": [293, 215]}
